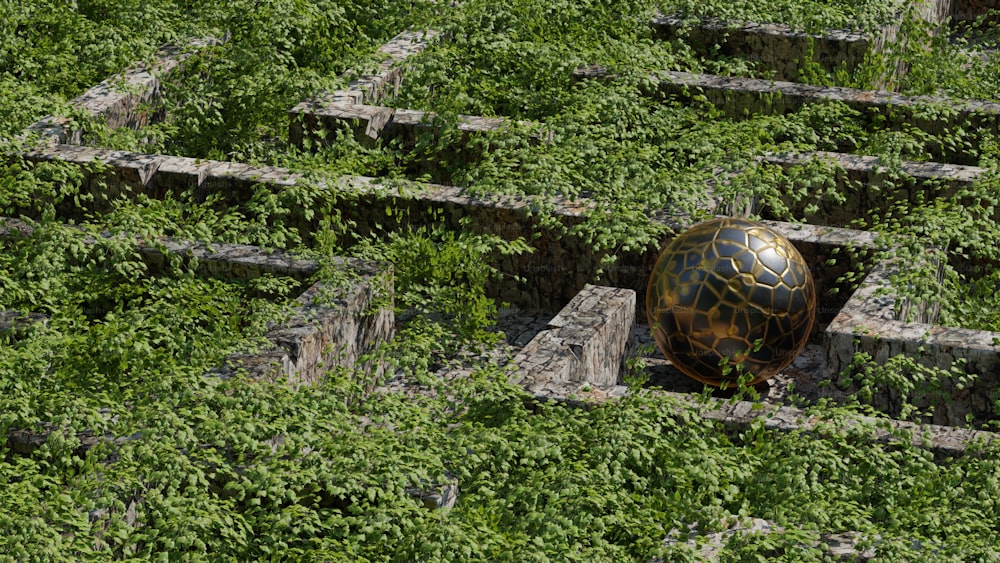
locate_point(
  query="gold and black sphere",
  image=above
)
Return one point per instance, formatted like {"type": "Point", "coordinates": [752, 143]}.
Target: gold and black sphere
{"type": "Point", "coordinates": [730, 292]}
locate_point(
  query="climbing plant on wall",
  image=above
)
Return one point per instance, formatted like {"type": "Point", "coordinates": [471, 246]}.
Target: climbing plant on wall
{"type": "Point", "coordinates": [230, 470]}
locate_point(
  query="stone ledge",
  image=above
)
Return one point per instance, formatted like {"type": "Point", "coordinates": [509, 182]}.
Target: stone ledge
{"type": "Point", "coordinates": [739, 97]}
{"type": "Point", "coordinates": [330, 327]}
{"type": "Point", "coordinates": [869, 186]}
{"type": "Point", "coordinates": [128, 174]}
{"type": "Point", "coordinates": [870, 170]}
{"type": "Point", "coordinates": [25, 441]}
{"type": "Point", "coordinates": [368, 89]}
{"type": "Point", "coordinates": [842, 546]}
{"type": "Point", "coordinates": [369, 123]}
{"type": "Point", "coordinates": [868, 323]}
{"type": "Point", "coordinates": [220, 260]}
{"type": "Point", "coordinates": [777, 47]}
{"type": "Point", "coordinates": [118, 100]}
{"type": "Point", "coordinates": [586, 342]}
{"type": "Point", "coordinates": [737, 416]}
{"type": "Point", "coordinates": [15, 324]}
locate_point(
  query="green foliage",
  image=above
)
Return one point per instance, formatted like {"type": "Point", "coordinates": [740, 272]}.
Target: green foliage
{"type": "Point", "coordinates": [812, 16]}
{"type": "Point", "coordinates": [441, 280]}
{"type": "Point", "coordinates": [53, 50]}
{"type": "Point", "coordinates": [112, 327]}
{"type": "Point", "coordinates": [189, 467]}
{"type": "Point", "coordinates": [916, 388]}
{"type": "Point", "coordinates": [229, 99]}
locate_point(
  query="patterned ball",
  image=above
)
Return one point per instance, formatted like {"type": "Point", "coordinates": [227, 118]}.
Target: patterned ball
{"type": "Point", "coordinates": [730, 291]}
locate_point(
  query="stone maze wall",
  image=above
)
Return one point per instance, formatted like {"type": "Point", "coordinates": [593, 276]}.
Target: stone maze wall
{"type": "Point", "coordinates": [739, 97]}
{"type": "Point", "coordinates": [578, 355]}
{"type": "Point", "coordinates": [840, 322]}
{"type": "Point", "coordinates": [552, 279]}
{"type": "Point", "coordinates": [329, 327]}
{"type": "Point", "coordinates": [866, 181]}
{"type": "Point", "coordinates": [779, 48]}
{"type": "Point", "coordinates": [970, 10]}
{"type": "Point", "coordinates": [120, 101]}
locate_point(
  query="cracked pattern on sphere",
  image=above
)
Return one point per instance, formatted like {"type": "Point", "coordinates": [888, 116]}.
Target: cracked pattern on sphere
{"type": "Point", "coordinates": [730, 289]}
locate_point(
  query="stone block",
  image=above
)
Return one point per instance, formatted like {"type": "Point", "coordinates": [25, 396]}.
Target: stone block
{"type": "Point", "coordinates": [330, 327]}
{"type": "Point", "coordinates": [54, 130]}
{"type": "Point", "coordinates": [233, 261]}
{"type": "Point", "coordinates": [178, 174]}
{"type": "Point", "coordinates": [586, 342]}
{"type": "Point", "coordinates": [738, 97]}
{"type": "Point", "coordinates": [236, 181]}
{"type": "Point", "coordinates": [121, 101]}
{"type": "Point", "coordinates": [336, 327]}
{"type": "Point", "coordinates": [708, 547]}
{"type": "Point", "coordinates": [869, 323]}
{"type": "Point", "coordinates": [775, 47]}
{"type": "Point", "coordinates": [15, 325]}
{"type": "Point", "coordinates": [228, 180]}
{"type": "Point", "coordinates": [313, 120]}
{"type": "Point", "coordinates": [872, 187]}
{"type": "Point", "coordinates": [124, 174]}
{"type": "Point", "coordinates": [311, 115]}
{"type": "Point", "coordinates": [436, 495]}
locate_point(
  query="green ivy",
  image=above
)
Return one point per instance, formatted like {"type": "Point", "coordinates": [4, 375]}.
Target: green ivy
{"type": "Point", "coordinates": [193, 467]}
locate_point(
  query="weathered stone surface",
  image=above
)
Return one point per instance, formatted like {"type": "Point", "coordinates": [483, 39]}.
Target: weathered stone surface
{"type": "Point", "coordinates": [385, 81]}
{"type": "Point", "coordinates": [550, 278]}
{"type": "Point", "coordinates": [739, 97]}
{"type": "Point", "coordinates": [586, 342]}
{"type": "Point", "coordinates": [25, 441]}
{"type": "Point", "coordinates": [55, 129]}
{"type": "Point", "coordinates": [331, 327]}
{"type": "Point", "coordinates": [236, 181]}
{"type": "Point", "coordinates": [967, 11]}
{"type": "Point", "coordinates": [868, 323]}
{"type": "Point", "coordinates": [233, 261]}
{"type": "Point", "coordinates": [368, 123]}
{"type": "Point", "coordinates": [368, 89]}
{"type": "Point", "coordinates": [336, 327]}
{"type": "Point", "coordinates": [871, 171]}
{"type": "Point", "coordinates": [120, 101]}
{"type": "Point", "coordinates": [943, 441]}
{"type": "Point", "coordinates": [127, 174]}
{"type": "Point", "coordinates": [734, 416]}
{"type": "Point", "coordinates": [777, 47]}
{"type": "Point", "coordinates": [178, 174]}
{"type": "Point", "coordinates": [124, 174]}
{"type": "Point", "coordinates": [870, 187]}
{"type": "Point", "coordinates": [14, 325]}
{"type": "Point", "coordinates": [435, 496]}
{"type": "Point", "coordinates": [709, 546]}
{"type": "Point", "coordinates": [561, 265]}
